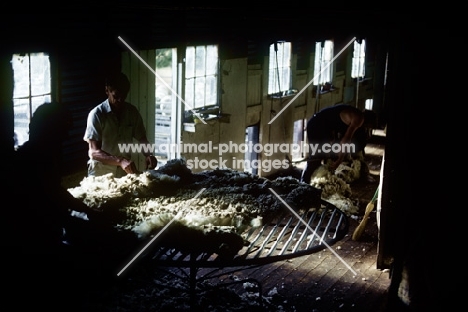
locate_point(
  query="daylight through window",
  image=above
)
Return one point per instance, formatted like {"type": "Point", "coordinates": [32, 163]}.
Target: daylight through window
{"type": "Point", "coordinates": [32, 87]}
{"type": "Point", "coordinates": [323, 67]}
{"type": "Point", "coordinates": [359, 56]}
{"type": "Point", "coordinates": [201, 76]}
{"type": "Point", "coordinates": [279, 75]}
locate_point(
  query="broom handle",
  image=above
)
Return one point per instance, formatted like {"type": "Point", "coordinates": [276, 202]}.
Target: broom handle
{"type": "Point", "coordinates": [375, 194]}
{"type": "Point", "coordinates": [370, 206]}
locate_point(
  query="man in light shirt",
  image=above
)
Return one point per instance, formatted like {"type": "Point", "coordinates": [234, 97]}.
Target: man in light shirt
{"type": "Point", "coordinates": [111, 123]}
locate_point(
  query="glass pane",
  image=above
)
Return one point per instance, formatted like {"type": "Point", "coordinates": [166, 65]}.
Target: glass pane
{"type": "Point", "coordinates": [286, 54]}
{"type": "Point", "coordinates": [21, 110]}
{"type": "Point", "coordinates": [328, 56]}
{"type": "Point", "coordinates": [40, 74]}
{"type": "Point", "coordinates": [279, 55]}
{"type": "Point", "coordinates": [20, 65]}
{"type": "Point", "coordinates": [189, 93]}
{"type": "Point", "coordinates": [21, 120]}
{"type": "Point", "coordinates": [356, 50]}
{"type": "Point", "coordinates": [211, 60]}
{"type": "Point", "coordinates": [272, 81]}
{"type": "Point", "coordinates": [190, 62]}
{"type": "Point", "coordinates": [164, 76]}
{"type": "Point", "coordinates": [200, 92]}
{"type": "Point", "coordinates": [272, 85]}
{"type": "Point", "coordinates": [354, 64]}
{"type": "Point", "coordinates": [328, 50]}
{"type": "Point", "coordinates": [318, 56]}
{"type": "Point", "coordinates": [200, 62]}
{"type": "Point", "coordinates": [285, 78]}
{"type": "Point", "coordinates": [362, 57]}
{"type": "Point", "coordinates": [283, 54]}
{"type": "Point", "coordinates": [211, 88]}
{"type": "Point", "coordinates": [272, 60]}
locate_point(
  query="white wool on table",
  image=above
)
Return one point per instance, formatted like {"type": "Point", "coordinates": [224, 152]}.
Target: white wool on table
{"type": "Point", "coordinates": [335, 186]}
{"type": "Point", "coordinates": [231, 199]}
{"type": "Point", "coordinates": [195, 213]}
{"type": "Point", "coordinates": [349, 172]}
{"type": "Point", "coordinates": [96, 191]}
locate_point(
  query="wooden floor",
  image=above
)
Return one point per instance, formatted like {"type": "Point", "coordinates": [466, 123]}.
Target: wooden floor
{"type": "Point", "coordinates": [344, 280]}
{"type": "Point", "coordinates": [328, 281]}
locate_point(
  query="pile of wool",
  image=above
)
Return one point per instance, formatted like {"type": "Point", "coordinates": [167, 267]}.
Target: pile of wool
{"type": "Point", "coordinates": [96, 192]}
{"type": "Point", "coordinates": [331, 184]}
{"type": "Point", "coordinates": [349, 171]}
{"type": "Point", "coordinates": [232, 211]}
{"type": "Point", "coordinates": [228, 201]}
{"type": "Point", "coordinates": [335, 186]}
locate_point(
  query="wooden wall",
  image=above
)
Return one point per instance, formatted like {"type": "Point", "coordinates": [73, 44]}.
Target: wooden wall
{"type": "Point", "coordinates": [245, 100]}
{"type": "Point", "coordinates": [85, 45]}
{"type": "Point", "coordinates": [142, 91]}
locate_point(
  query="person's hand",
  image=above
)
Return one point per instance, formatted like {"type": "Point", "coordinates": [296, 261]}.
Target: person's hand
{"type": "Point", "coordinates": [128, 166]}
{"type": "Point", "coordinates": [151, 162]}
{"type": "Point", "coordinates": [334, 164]}
{"type": "Point", "coordinates": [332, 167]}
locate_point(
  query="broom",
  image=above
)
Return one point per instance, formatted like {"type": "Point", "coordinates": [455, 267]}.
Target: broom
{"type": "Point", "coordinates": [370, 206]}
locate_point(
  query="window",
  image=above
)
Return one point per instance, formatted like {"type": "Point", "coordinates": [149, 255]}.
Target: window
{"type": "Point", "coordinates": [165, 97]}
{"type": "Point", "coordinates": [323, 68]}
{"type": "Point", "coordinates": [298, 139]}
{"type": "Point", "coordinates": [359, 55]}
{"type": "Point", "coordinates": [252, 136]}
{"type": "Point", "coordinates": [201, 76]}
{"type": "Point", "coordinates": [32, 87]}
{"type": "Point", "coordinates": [279, 75]}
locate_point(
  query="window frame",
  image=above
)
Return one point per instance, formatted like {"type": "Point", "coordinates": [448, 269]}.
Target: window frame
{"type": "Point", "coordinates": [324, 51]}
{"type": "Point", "coordinates": [210, 96]}
{"type": "Point", "coordinates": [30, 92]}
{"type": "Point", "coordinates": [279, 65]}
{"type": "Point", "coordinates": [358, 68]}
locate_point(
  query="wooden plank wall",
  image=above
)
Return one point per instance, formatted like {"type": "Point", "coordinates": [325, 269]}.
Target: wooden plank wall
{"type": "Point", "coordinates": [142, 91]}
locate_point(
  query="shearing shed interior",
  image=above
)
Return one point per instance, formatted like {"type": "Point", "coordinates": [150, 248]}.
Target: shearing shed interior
{"type": "Point", "coordinates": [224, 222]}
